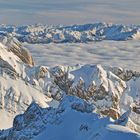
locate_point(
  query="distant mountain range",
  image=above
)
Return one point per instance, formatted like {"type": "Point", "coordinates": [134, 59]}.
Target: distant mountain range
{"type": "Point", "coordinates": [75, 33]}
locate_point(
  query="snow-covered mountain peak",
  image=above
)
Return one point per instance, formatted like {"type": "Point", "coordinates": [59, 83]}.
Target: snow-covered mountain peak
{"type": "Point", "coordinates": [94, 83]}
{"type": "Point", "coordinates": [75, 33]}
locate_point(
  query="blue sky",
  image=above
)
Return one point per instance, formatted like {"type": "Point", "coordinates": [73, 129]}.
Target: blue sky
{"type": "Point", "coordinates": [69, 11]}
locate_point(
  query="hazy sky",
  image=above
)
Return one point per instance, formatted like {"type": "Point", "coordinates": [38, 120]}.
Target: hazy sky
{"type": "Point", "coordinates": [69, 11]}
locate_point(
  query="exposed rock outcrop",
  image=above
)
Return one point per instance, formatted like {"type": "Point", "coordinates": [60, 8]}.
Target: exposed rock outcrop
{"type": "Point", "coordinates": [131, 118]}
{"type": "Point", "coordinates": [94, 84]}
{"type": "Point", "coordinates": [16, 47]}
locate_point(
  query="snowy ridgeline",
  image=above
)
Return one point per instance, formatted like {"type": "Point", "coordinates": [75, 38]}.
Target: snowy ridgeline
{"type": "Point", "coordinates": [75, 33]}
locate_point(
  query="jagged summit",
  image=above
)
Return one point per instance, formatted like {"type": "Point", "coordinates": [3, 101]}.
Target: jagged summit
{"type": "Point", "coordinates": [75, 33]}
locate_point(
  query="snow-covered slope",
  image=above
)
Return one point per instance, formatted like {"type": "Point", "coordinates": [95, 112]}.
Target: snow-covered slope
{"type": "Point", "coordinates": [73, 119]}
{"type": "Point", "coordinates": [86, 95]}
{"type": "Point", "coordinates": [8, 59]}
{"type": "Point", "coordinates": [17, 90]}
{"type": "Point", "coordinates": [74, 33]}
{"type": "Point", "coordinates": [106, 88]}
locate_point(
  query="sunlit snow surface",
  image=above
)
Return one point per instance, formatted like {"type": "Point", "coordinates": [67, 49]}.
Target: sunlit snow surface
{"type": "Point", "coordinates": [116, 53]}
